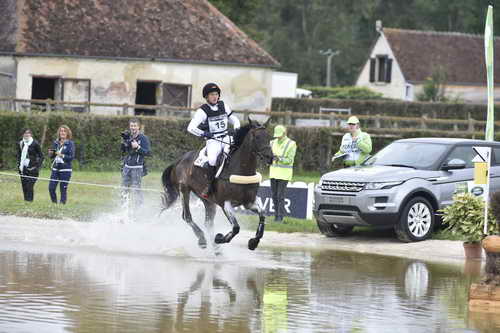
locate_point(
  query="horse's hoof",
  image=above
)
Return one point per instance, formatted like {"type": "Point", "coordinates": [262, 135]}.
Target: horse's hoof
{"type": "Point", "coordinates": [253, 243]}
{"type": "Point", "coordinates": [202, 244]}
{"type": "Point", "coordinates": [219, 239]}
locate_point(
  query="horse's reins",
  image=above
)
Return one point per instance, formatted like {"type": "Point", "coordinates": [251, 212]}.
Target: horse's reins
{"type": "Point", "coordinates": [224, 142]}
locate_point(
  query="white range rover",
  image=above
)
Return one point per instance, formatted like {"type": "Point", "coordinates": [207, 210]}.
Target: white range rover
{"type": "Point", "coordinates": [403, 187]}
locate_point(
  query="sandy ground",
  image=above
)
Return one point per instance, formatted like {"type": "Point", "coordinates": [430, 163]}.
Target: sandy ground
{"type": "Point", "coordinates": [57, 232]}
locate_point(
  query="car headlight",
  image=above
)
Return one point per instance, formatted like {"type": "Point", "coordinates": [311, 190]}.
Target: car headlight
{"type": "Point", "coordinates": [320, 181]}
{"type": "Point", "coordinates": [382, 186]}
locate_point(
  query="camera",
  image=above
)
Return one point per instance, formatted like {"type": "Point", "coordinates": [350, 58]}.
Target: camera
{"type": "Point", "coordinates": [125, 135]}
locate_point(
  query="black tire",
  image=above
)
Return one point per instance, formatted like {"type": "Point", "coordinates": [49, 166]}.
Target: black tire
{"type": "Point", "coordinates": [416, 221]}
{"type": "Point", "coordinates": [334, 230]}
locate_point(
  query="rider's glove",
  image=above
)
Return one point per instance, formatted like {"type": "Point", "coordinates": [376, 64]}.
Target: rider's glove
{"type": "Point", "coordinates": [207, 135]}
{"type": "Point", "coordinates": [231, 132]}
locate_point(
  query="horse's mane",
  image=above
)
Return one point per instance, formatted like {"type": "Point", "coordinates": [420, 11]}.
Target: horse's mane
{"type": "Point", "coordinates": [240, 134]}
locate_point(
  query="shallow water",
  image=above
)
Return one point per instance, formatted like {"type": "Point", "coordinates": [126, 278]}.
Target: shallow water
{"type": "Point", "coordinates": [110, 277]}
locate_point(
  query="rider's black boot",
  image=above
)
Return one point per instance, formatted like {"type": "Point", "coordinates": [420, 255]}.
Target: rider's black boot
{"type": "Point", "coordinates": [211, 171]}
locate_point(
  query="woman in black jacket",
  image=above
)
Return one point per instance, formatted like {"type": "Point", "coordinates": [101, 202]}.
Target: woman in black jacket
{"type": "Point", "coordinates": [29, 162]}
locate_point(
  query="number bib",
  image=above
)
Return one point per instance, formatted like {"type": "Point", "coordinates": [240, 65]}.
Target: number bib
{"type": "Point", "coordinates": [218, 124]}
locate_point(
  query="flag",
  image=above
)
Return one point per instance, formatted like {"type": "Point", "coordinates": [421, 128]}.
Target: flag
{"type": "Point", "coordinates": [488, 49]}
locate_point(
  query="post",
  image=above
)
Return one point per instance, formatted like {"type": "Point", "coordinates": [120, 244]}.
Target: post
{"type": "Point", "coordinates": [332, 120]}
{"type": "Point", "coordinates": [288, 118]}
{"type": "Point", "coordinates": [377, 121]}
{"type": "Point", "coordinates": [423, 124]}
{"type": "Point", "coordinates": [471, 124]}
{"type": "Point", "coordinates": [125, 109]}
{"type": "Point", "coordinates": [48, 106]}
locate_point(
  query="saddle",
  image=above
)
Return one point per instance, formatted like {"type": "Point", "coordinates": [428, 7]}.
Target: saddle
{"type": "Point", "coordinates": [202, 159]}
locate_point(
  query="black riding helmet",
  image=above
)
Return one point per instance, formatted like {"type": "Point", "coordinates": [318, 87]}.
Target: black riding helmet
{"type": "Point", "coordinates": [210, 87]}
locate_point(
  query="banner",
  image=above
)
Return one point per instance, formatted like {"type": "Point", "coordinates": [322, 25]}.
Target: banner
{"type": "Point", "coordinates": [298, 200]}
{"type": "Point", "coordinates": [488, 49]}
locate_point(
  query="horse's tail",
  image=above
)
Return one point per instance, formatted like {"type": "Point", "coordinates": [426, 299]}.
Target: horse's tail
{"type": "Point", "coordinates": [171, 192]}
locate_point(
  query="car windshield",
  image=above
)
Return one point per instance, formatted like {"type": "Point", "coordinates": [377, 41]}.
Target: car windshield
{"type": "Point", "coordinates": [415, 155]}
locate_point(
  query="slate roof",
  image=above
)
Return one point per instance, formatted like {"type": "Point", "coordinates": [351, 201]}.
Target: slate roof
{"type": "Point", "coordinates": [183, 30]}
{"type": "Point", "coordinates": [461, 55]}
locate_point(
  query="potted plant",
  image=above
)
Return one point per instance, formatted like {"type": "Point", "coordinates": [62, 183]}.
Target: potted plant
{"type": "Point", "coordinates": [465, 220]}
{"type": "Point", "coordinates": [491, 244]}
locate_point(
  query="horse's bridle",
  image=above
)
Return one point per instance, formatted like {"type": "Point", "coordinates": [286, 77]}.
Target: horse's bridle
{"type": "Point", "coordinates": [259, 153]}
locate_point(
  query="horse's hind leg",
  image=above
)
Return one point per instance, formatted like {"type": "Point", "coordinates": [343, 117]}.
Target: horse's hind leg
{"type": "Point", "coordinates": [186, 215]}
{"type": "Point", "coordinates": [229, 212]}
{"type": "Point", "coordinates": [254, 242]}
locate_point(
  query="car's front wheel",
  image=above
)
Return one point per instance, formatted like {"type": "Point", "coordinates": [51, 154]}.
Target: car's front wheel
{"type": "Point", "coordinates": [416, 221]}
{"type": "Point", "coordinates": [334, 230]}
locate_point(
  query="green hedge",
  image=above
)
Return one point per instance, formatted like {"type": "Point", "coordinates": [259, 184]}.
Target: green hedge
{"type": "Point", "coordinates": [98, 139]}
{"type": "Point", "coordinates": [350, 92]}
{"type": "Point", "coordinates": [384, 107]}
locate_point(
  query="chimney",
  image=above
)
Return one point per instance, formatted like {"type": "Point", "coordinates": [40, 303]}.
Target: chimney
{"type": "Point", "coordinates": [378, 25]}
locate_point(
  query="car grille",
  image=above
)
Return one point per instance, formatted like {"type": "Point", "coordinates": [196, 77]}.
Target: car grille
{"type": "Point", "coordinates": [336, 186]}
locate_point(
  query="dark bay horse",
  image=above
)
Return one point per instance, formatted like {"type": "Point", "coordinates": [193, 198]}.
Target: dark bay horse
{"type": "Point", "coordinates": [183, 177]}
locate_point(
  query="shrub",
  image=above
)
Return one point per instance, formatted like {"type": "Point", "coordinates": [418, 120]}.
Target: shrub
{"type": "Point", "coordinates": [465, 218]}
{"type": "Point", "coordinates": [350, 92]}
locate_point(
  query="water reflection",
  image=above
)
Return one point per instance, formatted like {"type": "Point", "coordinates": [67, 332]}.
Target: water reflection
{"type": "Point", "coordinates": [269, 291]}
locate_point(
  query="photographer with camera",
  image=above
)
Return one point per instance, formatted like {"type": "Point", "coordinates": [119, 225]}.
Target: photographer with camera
{"type": "Point", "coordinates": [135, 146]}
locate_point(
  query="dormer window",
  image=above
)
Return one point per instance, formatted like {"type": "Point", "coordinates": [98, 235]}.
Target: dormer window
{"type": "Point", "coordinates": [380, 69]}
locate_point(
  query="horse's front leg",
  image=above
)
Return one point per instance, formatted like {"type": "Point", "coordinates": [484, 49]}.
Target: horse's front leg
{"type": "Point", "coordinates": [229, 212]}
{"type": "Point", "coordinates": [254, 242]}
{"type": "Point", "coordinates": [210, 210]}
{"type": "Point", "coordinates": [186, 215]}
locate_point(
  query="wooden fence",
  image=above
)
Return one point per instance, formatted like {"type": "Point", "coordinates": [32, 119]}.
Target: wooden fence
{"type": "Point", "coordinates": [469, 127]}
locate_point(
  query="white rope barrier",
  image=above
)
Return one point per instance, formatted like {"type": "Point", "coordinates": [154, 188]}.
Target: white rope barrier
{"type": "Point", "coordinates": [82, 183]}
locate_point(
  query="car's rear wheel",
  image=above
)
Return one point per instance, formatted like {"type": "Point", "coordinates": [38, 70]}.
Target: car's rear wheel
{"type": "Point", "coordinates": [416, 221]}
{"type": "Point", "coordinates": [334, 230]}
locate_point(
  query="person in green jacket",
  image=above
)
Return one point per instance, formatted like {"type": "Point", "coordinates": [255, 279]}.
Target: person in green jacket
{"type": "Point", "coordinates": [356, 145]}
{"type": "Point", "coordinates": [281, 170]}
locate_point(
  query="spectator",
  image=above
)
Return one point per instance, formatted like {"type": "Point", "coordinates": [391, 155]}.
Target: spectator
{"type": "Point", "coordinates": [356, 145]}
{"type": "Point", "coordinates": [136, 147]}
{"type": "Point", "coordinates": [29, 162]}
{"type": "Point", "coordinates": [281, 170]}
{"type": "Point", "coordinates": [63, 153]}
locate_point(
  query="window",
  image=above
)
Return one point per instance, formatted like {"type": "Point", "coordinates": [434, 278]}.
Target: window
{"type": "Point", "coordinates": [408, 92]}
{"type": "Point", "coordinates": [177, 94]}
{"type": "Point", "coordinates": [45, 87]}
{"type": "Point", "coordinates": [146, 94]}
{"type": "Point", "coordinates": [465, 153]}
{"type": "Point", "coordinates": [496, 156]}
{"type": "Point", "coordinates": [380, 69]}
{"type": "Point", "coordinates": [76, 90]}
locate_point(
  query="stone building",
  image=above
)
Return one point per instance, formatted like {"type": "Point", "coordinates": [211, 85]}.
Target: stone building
{"type": "Point", "coordinates": [400, 61]}
{"type": "Point", "coordinates": [134, 52]}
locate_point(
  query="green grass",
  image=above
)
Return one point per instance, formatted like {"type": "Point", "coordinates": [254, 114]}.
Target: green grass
{"type": "Point", "coordinates": [290, 224]}
{"type": "Point", "coordinates": [86, 202]}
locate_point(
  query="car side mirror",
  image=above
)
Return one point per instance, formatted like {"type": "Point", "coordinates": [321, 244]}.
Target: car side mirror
{"type": "Point", "coordinates": [454, 164]}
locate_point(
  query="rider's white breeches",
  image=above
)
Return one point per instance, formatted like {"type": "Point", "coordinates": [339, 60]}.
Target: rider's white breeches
{"type": "Point", "coordinates": [214, 148]}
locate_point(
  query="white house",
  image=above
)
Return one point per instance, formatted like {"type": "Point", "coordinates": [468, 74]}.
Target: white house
{"type": "Point", "coordinates": [149, 52]}
{"type": "Point", "coordinates": [401, 60]}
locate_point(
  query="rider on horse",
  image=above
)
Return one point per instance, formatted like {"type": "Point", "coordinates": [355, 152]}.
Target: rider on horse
{"type": "Point", "coordinates": [211, 121]}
